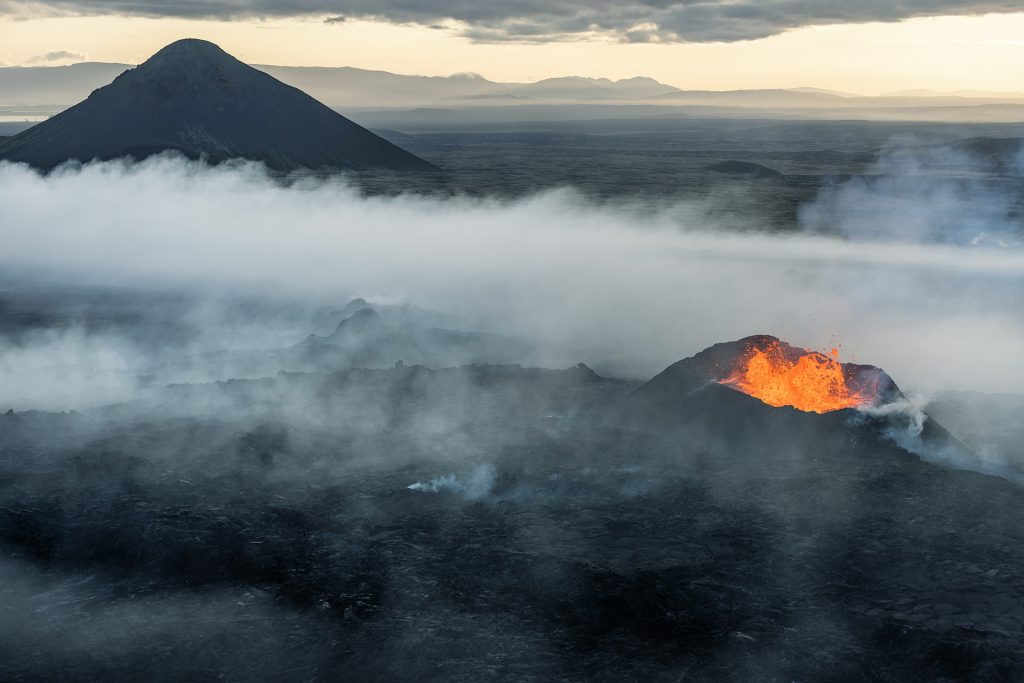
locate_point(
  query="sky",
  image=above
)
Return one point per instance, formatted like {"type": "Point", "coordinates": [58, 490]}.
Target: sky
{"type": "Point", "coordinates": [966, 51]}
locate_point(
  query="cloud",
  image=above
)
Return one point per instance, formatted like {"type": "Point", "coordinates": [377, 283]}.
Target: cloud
{"type": "Point", "coordinates": [536, 20]}
{"type": "Point", "coordinates": [624, 291]}
{"type": "Point", "coordinates": [66, 369]}
{"type": "Point", "coordinates": [57, 56]}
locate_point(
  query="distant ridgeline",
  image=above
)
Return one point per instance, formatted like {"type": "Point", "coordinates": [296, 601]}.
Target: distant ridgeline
{"type": "Point", "coordinates": [194, 98]}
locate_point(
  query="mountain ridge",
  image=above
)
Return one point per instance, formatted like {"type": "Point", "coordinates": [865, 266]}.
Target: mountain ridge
{"type": "Point", "coordinates": [353, 86]}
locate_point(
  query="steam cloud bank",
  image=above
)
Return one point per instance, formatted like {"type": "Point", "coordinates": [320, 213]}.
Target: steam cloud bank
{"type": "Point", "coordinates": [627, 290]}
{"type": "Point", "coordinates": [268, 430]}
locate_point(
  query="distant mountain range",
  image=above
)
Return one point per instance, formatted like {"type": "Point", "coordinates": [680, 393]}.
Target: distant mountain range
{"type": "Point", "coordinates": [983, 94]}
{"type": "Point", "coordinates": [31, 90]}
{"type": "Point", "coordinates": [341, 86]}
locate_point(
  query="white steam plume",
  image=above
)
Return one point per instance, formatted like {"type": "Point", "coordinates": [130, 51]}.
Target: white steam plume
{"type": "Point", "coordinates": [628, 293]}
{"type": "Point", "coordinates": [925, 192]}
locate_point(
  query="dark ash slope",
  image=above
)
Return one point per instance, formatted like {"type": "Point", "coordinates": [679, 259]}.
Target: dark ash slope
{"type": "Point", "coordinates": [264, 530]}
{"type": "Point", "coordinates": [195, 98]}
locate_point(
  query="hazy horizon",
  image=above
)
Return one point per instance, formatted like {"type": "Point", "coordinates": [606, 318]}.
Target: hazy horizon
{"type": "Point", "coordinates": [941, 52]}
{"type": "Point", "coordinates": [473, 75]}
{"type": "Point", "coordinates": [34, 92]}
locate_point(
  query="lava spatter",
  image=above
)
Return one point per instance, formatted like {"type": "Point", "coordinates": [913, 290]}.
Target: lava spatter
{"type": "Point", "coordinates": [812, 382]}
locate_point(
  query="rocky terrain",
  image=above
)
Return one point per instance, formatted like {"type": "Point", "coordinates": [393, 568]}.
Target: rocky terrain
{"type": "Point", "coordinates": [494, 522]}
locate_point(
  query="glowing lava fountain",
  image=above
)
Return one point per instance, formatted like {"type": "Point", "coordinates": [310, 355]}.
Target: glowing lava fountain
{"type": "Point", "coordinates": [806, 380]}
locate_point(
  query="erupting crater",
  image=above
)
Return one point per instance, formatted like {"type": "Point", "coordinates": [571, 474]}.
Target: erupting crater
{"type": "Point", "coordinates": [777, 374]}
{"type": "Point", "coordinates": [783, 375]}
{"type": "Point", "coordinates": [801, 395]}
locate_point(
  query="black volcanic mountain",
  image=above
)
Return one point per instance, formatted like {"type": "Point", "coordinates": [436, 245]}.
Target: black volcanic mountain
{"type": "Point", "coordinates": [195, 98]}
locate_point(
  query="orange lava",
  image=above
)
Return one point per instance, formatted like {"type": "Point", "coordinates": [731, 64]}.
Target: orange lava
{"type": "Point", "coordinates": [814, 382]}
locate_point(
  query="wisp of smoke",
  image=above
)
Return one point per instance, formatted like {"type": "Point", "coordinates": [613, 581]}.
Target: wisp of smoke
{"type": "Point", "coordinates": [476, 485]}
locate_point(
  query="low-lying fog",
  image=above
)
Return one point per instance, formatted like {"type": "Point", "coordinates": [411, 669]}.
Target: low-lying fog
{"type": "Point", "coordinates": [627, 290]}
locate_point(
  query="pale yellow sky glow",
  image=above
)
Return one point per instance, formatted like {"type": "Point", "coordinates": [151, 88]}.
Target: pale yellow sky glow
{"type": "Point", "coordinates": [943, 53]}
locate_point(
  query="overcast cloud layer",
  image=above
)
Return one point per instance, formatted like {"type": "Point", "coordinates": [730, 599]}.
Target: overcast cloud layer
{"type": "Point", "coordinates": [539, 20]}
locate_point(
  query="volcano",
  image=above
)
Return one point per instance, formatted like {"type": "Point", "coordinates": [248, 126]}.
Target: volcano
{"type": "Point", "coordinates": [776, 373]}
{"type": "Point", "coordinates": [196, 99]}
{"type": "Point", "coordinates": [761, 392]}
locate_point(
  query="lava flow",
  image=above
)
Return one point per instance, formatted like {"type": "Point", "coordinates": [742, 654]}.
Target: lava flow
{"type": "Point", "coordinates": [812, 382]}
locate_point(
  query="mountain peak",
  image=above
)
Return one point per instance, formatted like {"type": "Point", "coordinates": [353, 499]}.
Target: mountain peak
{"type": "Point", "coordinates": [190, 67]}
{"type": "Point", "coordinates": [190, 53]}
{"type": "Point", "coordinates": [189, 48]}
